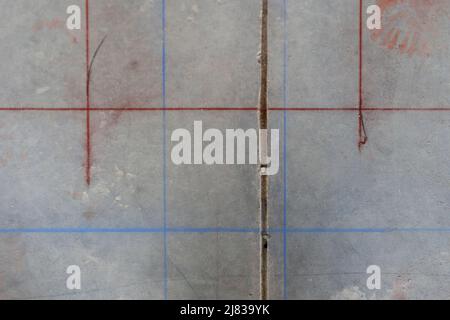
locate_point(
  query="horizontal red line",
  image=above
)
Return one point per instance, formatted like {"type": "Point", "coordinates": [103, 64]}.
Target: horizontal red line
{"type": "Point", "coordinates": [41, 109]}
{"type": "Point", "coordinates": [315, 109]}
{"type": "Point", "coordinates": [364, 109]}
{"type": "Point", "coordinates": [407, 109]}
{"type": "Point", "coordinates": [126, 109]}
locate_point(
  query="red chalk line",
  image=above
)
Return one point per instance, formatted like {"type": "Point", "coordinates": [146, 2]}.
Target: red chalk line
{"type": "Point", "coordinates": [360, 108]}
{"type": "Point", "coordinates": [88, 100]}
{"type": "Point", "coordinates": [312, 109]}
{"type": "Point", "coordinates": [361, 126]}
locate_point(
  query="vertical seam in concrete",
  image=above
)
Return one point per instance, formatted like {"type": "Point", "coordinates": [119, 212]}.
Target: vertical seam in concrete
{"type": "Point", "coordinates": [264, 182]}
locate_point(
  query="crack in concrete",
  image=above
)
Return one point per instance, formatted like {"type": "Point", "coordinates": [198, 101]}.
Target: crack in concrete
{"type": "Point", "coordinates": [264, 181]}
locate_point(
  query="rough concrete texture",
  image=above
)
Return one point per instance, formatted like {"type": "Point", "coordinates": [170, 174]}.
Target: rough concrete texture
{"type": "Point", "coordinates": [114, 228]}
{"type": "Point", "coordinates": [144, 228]}
{"type": "Point", "coordinates": [386, 204]}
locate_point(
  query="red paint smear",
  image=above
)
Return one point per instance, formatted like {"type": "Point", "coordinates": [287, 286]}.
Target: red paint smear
{"type": "Point", "coordinates": [411, 27]}
{"type": "Point", "coordinates": [54, 24]}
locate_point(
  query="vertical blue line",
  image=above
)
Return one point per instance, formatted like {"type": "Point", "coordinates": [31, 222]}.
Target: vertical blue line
{"type": "Point", "coordinates": [164, 120]}
{"type": "Point", "coordinates": [285, 61]}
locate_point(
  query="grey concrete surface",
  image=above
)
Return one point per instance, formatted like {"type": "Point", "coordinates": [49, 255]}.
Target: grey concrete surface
{"type": "Point", "coordinates": [147, 229]}
{"type": "Point", "coordinates": [127, 70]}
{"type": "Point", "coordinates": [212, 49]}
{"type": "Point", "coordinates": [322, 56]}
{"type": "Point", "coordinates": [43, 62]}
{"type": "Point", "coordinates": [124, 266]}
{"type": "Point", "coordinates": [347, 209]}
{"type": "Point", "coordinates": [415, 78]}
{"type": "Point", "coordinates": [211, 61]}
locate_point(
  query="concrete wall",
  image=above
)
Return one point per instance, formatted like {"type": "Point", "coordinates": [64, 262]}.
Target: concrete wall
{"type": "Point", "coordinates": [87, 177]}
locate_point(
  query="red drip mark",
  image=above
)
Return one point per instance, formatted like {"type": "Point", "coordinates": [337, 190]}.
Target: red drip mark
{"type": "Point", "coordinates": [88, 101]}
{"type": "Point", "coordinates": [361, 127]}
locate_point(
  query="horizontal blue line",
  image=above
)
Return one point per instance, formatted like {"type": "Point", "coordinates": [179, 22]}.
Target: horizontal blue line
{"type": "Point", "coordinates": [364, 230]}
{"type": "Point", "coordinates": [225, 230]}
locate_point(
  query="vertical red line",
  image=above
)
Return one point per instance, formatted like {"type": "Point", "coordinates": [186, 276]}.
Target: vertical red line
{"type": "Point", "coordinates": [88, 100]}
{"type": "Point", "coordinates": [361, 128]}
